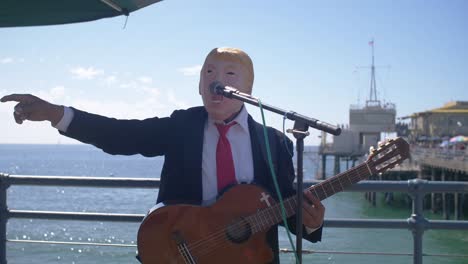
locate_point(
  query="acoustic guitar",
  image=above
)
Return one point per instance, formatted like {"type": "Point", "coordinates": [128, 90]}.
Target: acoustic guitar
{"type": "Point", "coordinates": [233, 230]}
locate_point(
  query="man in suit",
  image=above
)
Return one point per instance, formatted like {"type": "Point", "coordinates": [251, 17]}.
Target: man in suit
{"type": "Point", "coordinates": [206, 149]}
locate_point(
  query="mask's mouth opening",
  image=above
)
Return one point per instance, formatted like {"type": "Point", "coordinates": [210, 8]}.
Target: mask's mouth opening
{"type": "Point", "coordinates": [217, 98]}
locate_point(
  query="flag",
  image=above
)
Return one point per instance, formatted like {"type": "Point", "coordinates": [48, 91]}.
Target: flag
{"type": "Point", "coordinates": [371, 43]}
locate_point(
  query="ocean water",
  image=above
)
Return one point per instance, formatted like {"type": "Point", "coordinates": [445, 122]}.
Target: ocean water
{"type": "Point", "coordinates": [82, 160]}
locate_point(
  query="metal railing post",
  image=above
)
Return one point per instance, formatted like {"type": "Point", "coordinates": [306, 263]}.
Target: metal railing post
{"type": "Point", "coordinates": [3, 217]}
{"type": "Point", "coordinates": [417, 222]}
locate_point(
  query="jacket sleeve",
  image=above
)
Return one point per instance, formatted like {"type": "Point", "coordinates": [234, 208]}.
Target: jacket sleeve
{"type": "Point", "coordinates": [149, 137]}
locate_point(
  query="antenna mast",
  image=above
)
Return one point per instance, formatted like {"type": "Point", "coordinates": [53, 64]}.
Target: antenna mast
{"type": "Point", "coordinates": [373, 101]}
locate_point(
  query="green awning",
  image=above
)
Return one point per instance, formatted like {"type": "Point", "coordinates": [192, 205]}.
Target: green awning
{"type": "Point", "coordinates": [19, 13]}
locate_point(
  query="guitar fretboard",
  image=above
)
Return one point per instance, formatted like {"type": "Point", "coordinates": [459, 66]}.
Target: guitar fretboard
{"type": "Point", "coordinates": [270, 216]}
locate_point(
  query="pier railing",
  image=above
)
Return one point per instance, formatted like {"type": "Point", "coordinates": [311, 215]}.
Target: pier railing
{"type": "Point", "coordinates": [416, 222]}
{"type": "Point", "coordinates": [441, 153]}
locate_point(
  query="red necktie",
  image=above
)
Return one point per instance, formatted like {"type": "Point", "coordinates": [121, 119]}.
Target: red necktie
{"type": "Point", "coordinates": [224, 162]}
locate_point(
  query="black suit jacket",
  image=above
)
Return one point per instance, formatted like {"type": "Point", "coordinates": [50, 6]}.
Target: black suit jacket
{"type": "Point", "coordinates": [180, 139]}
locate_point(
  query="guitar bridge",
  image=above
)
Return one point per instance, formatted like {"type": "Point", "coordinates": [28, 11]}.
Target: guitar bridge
{"type": "Point", "coordinates": [183, 249]}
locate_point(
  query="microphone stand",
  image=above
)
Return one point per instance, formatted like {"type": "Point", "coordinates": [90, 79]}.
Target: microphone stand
{"type": "Point", "coordinates": [299, 132]}
{"type": "Point", "coordinates": [301, 125]}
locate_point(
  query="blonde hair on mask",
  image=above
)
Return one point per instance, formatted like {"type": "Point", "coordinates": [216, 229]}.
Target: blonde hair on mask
{"type": "Point", "coordinates": [235, 55]}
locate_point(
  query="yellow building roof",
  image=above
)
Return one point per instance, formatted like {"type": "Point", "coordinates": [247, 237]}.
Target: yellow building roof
{"type": "Point", "coordinates": [453, 107]}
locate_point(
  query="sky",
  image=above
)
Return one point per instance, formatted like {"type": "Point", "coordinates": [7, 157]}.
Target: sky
{"type": "Point", "coordinates": [307, 55]}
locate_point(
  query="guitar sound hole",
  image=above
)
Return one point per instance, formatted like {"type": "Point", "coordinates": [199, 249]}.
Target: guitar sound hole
{"type": "Point", "coordinates": [239, 231]}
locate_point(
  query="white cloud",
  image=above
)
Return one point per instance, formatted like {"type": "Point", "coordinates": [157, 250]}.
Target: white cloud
{"type": "Point", "coordinates": [6, 60]}
{"type": "Point", "coordinates": [57, 91]}
{"type": "Point", "coordinates": [54, 95]}
{"type": "Point", "coordinates": [152, 92]}
{"type": "Point", "coordinates": [175, 101]}
{"type": "Point", "coordinates": [191, 71]}
{"type": "Point", "coordinates": [145, 79]}
{"type": "Point", "coordinates": [134, 86]}
{"type": "Point", "coordinates": [145, 102]}
{"type": "Point", "coordinates": [110, 79]}
{"type": "Point", "coordinates": [85, 73]}
{"type": "Point", "coordinates": [145, 108]}
{"type": "Point", "coordinates": [130, 85]}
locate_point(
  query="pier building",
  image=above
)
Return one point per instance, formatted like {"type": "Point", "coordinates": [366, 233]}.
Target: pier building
{"type": "Point", "coordinates": [436, 124]}
{"type": "Point", "coordinates": [368, 124]}
{"type": "Point", "coordinates": [439, 153]}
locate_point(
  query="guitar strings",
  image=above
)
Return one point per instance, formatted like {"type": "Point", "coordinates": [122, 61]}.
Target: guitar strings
{"type": "Point", "coordinates": [210, 250]}
{"type": "Point", "coordinates": [218, 236]}
{"type": "Point", "coordinates": [212, 242]}
{"type": "Point", "coordinates": [257, 226]}
{"type": "Point", "coordinates": [214, 236]}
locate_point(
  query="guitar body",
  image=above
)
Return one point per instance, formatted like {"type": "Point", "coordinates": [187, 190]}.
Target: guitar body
{"type": "Point", "coordinates": [195, 234]}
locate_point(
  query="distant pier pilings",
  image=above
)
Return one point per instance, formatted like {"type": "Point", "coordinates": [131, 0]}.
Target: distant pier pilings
{"type": "Point", "coordinates": [425, 163]}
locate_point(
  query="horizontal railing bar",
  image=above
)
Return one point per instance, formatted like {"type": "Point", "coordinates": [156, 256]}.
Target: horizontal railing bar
{"type": "Point", "coordinates": [304, 251]}
{"type": "Point", "coordinates": [393, 223]}
{"type": "Point", "coordinates": [283, 250]}
{"type": "Point", "coordinates": [452, 186]}
{"type": "Point", "coordinates": [366, 223]}
{"type": "Point", "coordinates": [79, 216]}
{"type": "Point", "coordinates": [398, 186]}
{"type": "Point", "coordinates": [307, 251]}
{"type": "Point", "coordinates": [77, 181]}
{"type": "Point", "coordinates": [68, 243]}
{"type": "Point", "coordinates": [403, 186]}
{"type": "Point", "coordinates": [446, 224]}
{"type": "Point", "coordinates": [329, 222]}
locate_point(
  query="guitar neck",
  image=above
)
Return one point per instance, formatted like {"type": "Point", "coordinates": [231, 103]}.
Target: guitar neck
{"type": "Point", "coordinates": [272, 215]}
{"type": "Point", "coordinates": [339, 182]}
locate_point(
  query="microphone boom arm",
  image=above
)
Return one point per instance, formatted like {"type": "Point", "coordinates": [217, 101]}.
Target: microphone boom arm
{"type": "Point", "coordinates": [232, 93]}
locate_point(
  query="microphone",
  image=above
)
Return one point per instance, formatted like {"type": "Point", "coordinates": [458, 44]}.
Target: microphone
{"type": "Point", "coordinates": [216, 87]}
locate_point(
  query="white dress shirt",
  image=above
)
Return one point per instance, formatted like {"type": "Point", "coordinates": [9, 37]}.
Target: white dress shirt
{"type": "Point", "coordinates": [239, 139]}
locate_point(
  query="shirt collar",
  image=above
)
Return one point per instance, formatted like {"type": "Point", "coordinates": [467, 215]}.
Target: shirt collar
{"type": "Point", "coordinates": [241, 119]}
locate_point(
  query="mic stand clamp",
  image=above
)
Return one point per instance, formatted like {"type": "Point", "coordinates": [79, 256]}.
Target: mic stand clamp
{"type": "Point", "coordinates": [299, 132]}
